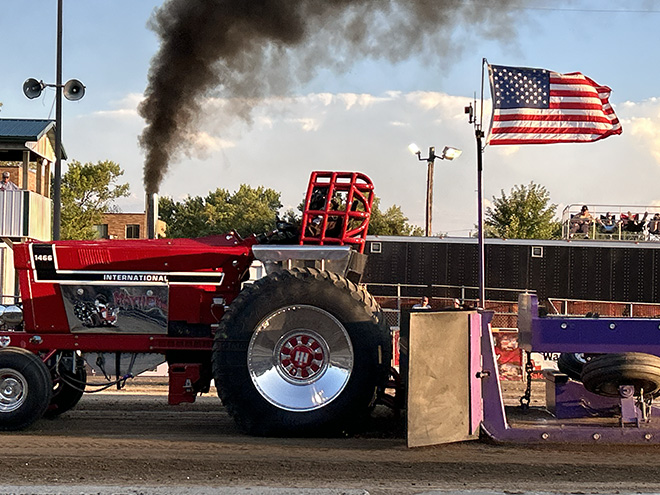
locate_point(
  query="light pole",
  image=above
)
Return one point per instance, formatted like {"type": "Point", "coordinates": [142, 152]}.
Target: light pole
{"type": "Point", "coordinates": [73, 90]}
{"type": "Point", "coordinates": [448, 153]}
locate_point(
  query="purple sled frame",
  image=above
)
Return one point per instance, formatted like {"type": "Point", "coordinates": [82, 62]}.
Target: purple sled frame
{"type": "Point", "coordinates": [557, 334]}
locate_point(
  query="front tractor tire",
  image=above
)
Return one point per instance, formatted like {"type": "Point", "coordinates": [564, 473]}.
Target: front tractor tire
{"type": "Point", "coordinates": [68, 386]}
{"type": "Point", "coordinates": [25, 388]}
{"type": "Point", "coordinates": [301, 352]}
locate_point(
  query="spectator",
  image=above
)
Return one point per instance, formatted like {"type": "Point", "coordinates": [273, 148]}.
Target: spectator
{"type": "Point", "coordinates": [608, 223]}
{"type": "Point", "coordinates": [634, 224]}
{"type": "Point", "coordinates": [654, 224]}
{"type": "Point", "coordinates": [6, 184]}
{"type": "Point", "coordinates": [580, 223]}
{"type": "Point", "coordinates": [423, 304]}
{"type": "Point", "coordinates": [608, 220]}
{"type": "Point", "coordinates": [454, 305]}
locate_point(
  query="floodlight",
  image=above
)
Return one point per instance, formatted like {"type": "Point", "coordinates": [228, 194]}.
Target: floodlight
{"type": "Point", "coordinates": [449, 153]}
{"type": "Point", "coordinates": [414, 149]}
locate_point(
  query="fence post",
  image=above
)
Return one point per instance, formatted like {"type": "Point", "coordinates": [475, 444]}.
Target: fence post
{"type": "Point", "coordinates": [398, 305]}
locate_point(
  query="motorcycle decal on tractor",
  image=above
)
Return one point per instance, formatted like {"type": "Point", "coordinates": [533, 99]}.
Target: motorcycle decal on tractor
{"type": "Point", "coordinates": [116, 309]}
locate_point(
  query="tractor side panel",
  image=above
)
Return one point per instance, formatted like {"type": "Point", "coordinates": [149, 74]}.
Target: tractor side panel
{"type": "Point", "coordinates": [129, 286]}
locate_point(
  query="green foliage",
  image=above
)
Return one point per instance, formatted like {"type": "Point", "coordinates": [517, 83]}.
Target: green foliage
{"type": "Point", "coordinates": [525, 214]}
{"type": "Point", "coordinates": [247, 211]}
{"type": "Point", "coordinates": [254, 210]}
{"type": "Point", "coordinates": [88, 191]}
{"type": "Point", "coordinates": [391, 222]}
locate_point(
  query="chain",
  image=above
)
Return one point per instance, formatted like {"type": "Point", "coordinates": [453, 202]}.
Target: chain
{"type": "Point", "coordinates": [527, 397]}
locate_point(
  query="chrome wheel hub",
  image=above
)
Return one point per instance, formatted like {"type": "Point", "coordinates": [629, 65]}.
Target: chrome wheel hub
{"type": "Point", "coordinates": [13, 390]}
{"type": "Point", "coordinates": [300, 358]}
{"type": "Point", "coordinates": [303, 357]}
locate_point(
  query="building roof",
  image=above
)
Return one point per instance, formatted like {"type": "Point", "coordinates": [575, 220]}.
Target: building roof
{"type": "Point", "coordinates": [27, 129]}
{"type": "Point", "coordinates": [15, 134]}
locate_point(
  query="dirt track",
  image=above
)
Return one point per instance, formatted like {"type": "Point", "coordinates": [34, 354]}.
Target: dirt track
{"type": "Point", "coordinates": [124, 439]}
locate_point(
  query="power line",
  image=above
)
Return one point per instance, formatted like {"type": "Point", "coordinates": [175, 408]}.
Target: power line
{"type": "Point", "coordinates": [570, 9]}
{"type": "Point", "coordinates": [594, 11]}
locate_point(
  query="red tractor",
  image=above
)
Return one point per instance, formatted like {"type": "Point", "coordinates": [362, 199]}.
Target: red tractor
{"type": "Point", "coordinates": [302, 350]}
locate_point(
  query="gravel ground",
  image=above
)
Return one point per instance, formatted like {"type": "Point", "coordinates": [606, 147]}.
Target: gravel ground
{"type": "Point", "coordinates": [132, 440]}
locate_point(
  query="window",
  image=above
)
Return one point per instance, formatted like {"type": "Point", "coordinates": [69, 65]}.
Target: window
{"type": "Point", "coordinates": [132, 231]}
{"type": "Point", "coordinates": [102, 231]}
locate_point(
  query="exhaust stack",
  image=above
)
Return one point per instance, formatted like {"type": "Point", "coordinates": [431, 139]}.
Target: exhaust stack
{"type": "Point", "coordinates": [152, 214]}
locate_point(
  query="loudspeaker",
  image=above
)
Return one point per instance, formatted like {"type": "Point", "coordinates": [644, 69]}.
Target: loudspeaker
{"type": "Point", "coordinates": [74, 90]}
{"type": "Point", "coordinates": [33, 88]}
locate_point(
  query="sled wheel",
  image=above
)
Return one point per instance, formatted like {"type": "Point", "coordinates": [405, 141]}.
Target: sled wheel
{"type": "Point", "coordinates": [68, 387]}
{"type": "Point", "coordinates": [571, 364]}
{"type": "Point", "coordinates": [25, 388]}
{"type": "Point", "coordinates": [604, 374]}
{"type": "Point", "coordinates": [301, 352]}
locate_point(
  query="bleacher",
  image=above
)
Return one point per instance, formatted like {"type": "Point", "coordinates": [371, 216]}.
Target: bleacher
{"type": "Point", "coordinates": [630, 223]}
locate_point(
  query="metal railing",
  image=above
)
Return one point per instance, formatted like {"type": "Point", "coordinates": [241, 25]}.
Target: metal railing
{"type": "Point", "coordinates": [619, 232]}
{"type": "Point", "coordinates": [578, 307]}
{"type": "Point", "coordinates": [395, 297]}
{"type": "Point", "coordinates": [506, 309]}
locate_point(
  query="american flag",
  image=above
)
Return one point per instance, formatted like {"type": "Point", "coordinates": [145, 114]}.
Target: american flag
{"type": "Point", "coordinates": [538, 106]}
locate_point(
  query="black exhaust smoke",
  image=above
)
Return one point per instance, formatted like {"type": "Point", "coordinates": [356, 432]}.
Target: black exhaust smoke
{"type": "Point", "coordinates": [244, 50]}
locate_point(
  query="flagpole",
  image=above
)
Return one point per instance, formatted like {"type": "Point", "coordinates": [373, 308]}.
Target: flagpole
{"type": "Point", "coordinates": [480, 213]}
{"type": "Point", "coordinates": [479, 134]}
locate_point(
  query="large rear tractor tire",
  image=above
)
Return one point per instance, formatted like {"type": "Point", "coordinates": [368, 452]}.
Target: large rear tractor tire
{"type": "Point", "coordinates": [301, 352]}
{"type": "Point", "coordinates": [68, 386]}
{"type": "Point", "coordinates": [604, 374]}
{"type": "Point", "coordinates": [25, 388]}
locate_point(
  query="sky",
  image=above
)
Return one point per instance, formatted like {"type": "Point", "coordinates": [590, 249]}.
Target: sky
{"type": "Point", "coordinates": [362, 118]}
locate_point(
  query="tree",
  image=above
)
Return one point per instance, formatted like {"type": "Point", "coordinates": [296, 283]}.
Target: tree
{"type": "Point", "coordinates": [247, 211]}
{"type": "Point", "coordinates": [254, 211]}
{"type": "Point", "coordinates": [392, 222]}
{"type": "Point", "coordinates": [88, 191]}
{"type": "Point", "coordinates": [525, 214]}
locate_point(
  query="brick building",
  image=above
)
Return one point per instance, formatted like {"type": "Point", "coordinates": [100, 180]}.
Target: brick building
{"type": "Point", "coordinates": [127, 226]}
{"type": "Point", "coordinates": [35, 183]}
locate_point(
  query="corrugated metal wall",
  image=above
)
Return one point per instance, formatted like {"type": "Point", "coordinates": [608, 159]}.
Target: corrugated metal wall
{"type": "Point", "coordinates": [25, 214]}
{"type": "Point", "coordinates": [566, 270]}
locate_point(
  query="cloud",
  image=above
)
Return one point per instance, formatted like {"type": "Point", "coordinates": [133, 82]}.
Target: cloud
{"type": "Point", "coordinates": [125, 108]}
{"type": "Point", "coordinates": [307, 124]}
{"type": "Point", "coordinates": [642, 121]}
{"type": "Point", "coordinates": [292, 136]}
{"type": "Point", "coordinates": [648, 132]}
{"type": "Point", "coordinates": [505, 150]}
{"type": "Point", "coordinates": [361, 100]}
{"type": "Point", "coordinates": [203, 145]}
{"type": "Point", "coordinates": [264, 122]}
{"type": "Point", "coordinates": [430, 100]}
